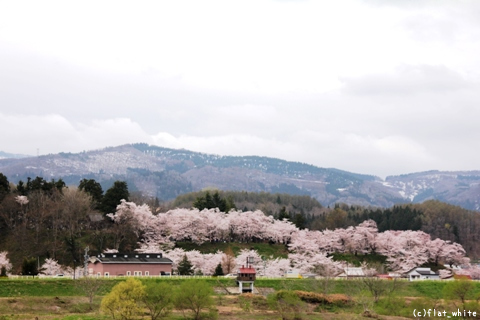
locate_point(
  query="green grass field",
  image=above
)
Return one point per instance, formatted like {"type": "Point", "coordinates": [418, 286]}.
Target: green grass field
{"type": "Point", "coordinates": [61, 299]}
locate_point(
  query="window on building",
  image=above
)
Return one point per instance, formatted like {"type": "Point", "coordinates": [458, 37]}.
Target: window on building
{"type": "Point", "coordinates": [137, 273]}
{"type": "Point", "coordinates": [106, 274]}
{"type": "Point", "coordinates": [147, 273]}
{"type": "Point", "coordinates": [129, 273]}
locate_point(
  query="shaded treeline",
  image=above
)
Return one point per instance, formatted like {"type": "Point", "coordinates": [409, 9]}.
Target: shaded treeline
{"type": "Point", "coordinates": [45, 219]}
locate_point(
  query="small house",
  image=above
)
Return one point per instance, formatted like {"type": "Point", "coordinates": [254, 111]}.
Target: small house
{"type": "Point", "coordinates": [129, 264]}
{"type": "Point", "coordinates": [422, 274]}
{"type": "Point", "coordinates": [352, 272]}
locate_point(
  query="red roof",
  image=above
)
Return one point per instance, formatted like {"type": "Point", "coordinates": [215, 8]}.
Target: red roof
{"type": "Point", "coordinates": [247, 270]}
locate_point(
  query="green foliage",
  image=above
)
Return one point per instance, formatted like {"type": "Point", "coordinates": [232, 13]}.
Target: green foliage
{"type": "Point", "coordinates": [218, 270]}
{"type": "Point", "coordinates": [357, 260]}
{"type": "Point", "coordinates": [40, 184]}
{"type": "Point", "coordinates": [283, 214]}
{"type": "Point", "coordinates": [4, 186]}
{"type": "Point", "coordinates": [461, 289]}
{"type": "Point", "coordinates": [216, 201]}
{"type": "Point", "coordinates": [94, 189]}
{"type": "Point", "coordinates": [158, 299]}
{"type": "Point", "coordinates": [112, 197]}
{"type": "Point", "coordinates": [287, 304]}
{"type": "Point", "coordinates": [396, 218]}
{"type": "Point", "coordinates": [245, 303]}
{"type": "Point", "coordinates": [30, 267]}
{"type": "Point", "coordinates": [195, 296]}
{"type": "Point", "coordinates": [185, 267]}
{"type": "Point", "coordinates": [123, 301]}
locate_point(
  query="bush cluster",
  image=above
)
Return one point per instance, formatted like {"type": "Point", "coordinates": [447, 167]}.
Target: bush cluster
{"type": "Point", "coordinates": [314, 297]}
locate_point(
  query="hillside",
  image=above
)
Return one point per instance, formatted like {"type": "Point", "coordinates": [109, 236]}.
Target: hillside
{"type": "Point", "coordinates": [166, 173]}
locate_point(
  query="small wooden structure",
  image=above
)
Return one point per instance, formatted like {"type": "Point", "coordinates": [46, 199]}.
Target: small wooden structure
{"type": "Point", "coordinates": [246, 277]}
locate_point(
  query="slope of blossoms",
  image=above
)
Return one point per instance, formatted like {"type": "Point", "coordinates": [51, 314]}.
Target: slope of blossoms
{"type": "Point", "coordinates": [309, 250]}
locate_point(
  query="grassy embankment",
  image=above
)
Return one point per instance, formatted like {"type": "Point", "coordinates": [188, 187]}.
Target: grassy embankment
{"type": "Point", "coordinates": [61, 299]}
{"type": "Point", "coordinates": [50, 299]}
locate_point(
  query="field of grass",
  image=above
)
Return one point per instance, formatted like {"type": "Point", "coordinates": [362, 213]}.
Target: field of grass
{"type": "Point", "coordinates": [41, 287]}
{"type": "Point", "coordinates": [61, 299]}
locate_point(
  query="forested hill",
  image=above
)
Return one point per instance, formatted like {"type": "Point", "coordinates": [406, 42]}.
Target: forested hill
{"type": "Point", "coordinates": [166, 173]}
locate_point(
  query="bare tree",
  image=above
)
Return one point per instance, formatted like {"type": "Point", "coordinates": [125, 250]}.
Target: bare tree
{"type": "Point", "coordinates": [90, 286]}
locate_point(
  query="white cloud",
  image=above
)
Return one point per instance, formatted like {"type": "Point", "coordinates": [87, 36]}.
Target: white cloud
{"type": "Point", "coordinates": [407, 80]}
{"type": "Point", "coordinates": [54, 133]}
{"type": "Point", "coordinates": [372, 87]}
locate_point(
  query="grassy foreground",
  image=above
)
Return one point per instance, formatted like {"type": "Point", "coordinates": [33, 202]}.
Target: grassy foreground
{"type": "Point", "coordinates": [61, 299]}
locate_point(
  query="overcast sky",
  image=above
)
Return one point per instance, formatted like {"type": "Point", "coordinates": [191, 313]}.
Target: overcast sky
{"type": "Point", "coordinates": [375, 86]}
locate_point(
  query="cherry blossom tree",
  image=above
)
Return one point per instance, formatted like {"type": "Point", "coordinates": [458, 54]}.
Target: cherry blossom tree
{"type": "Point", "coordinates": [22, 200]}
{"type": "Point", "coordinates": [5, 262]}
{"type": "Point", "coordinates": [51, 267]}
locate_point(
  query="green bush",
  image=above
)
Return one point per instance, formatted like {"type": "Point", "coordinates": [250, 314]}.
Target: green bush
{"type": "Point", "coordinates": [196, 295]}
{"type": "Point", "coordinates": [123, 301]}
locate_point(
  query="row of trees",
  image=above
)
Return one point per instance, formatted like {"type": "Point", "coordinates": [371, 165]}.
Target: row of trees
{"type": "Point", "coordinates": [44, 219]}
{"type": "Point", "coordinates": [308, 249]}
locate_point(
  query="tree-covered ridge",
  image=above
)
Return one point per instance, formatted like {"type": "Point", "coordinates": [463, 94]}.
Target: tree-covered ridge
{"type": "Point", "coordinates": [266, 164]}
{"type": "Point", "coordinates": [167, 173]}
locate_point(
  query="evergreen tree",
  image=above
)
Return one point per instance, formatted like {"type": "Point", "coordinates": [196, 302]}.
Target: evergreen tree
{"type": "Point", "coordinates": [29, 267]}
{"type": "Point", "coordinates": [4, 186]}
{"type": "Point", "coordinates": [94, 189]}
{"type": "Point", "coordinates": [3, 272]}
{"type": "Point", "coordinates": [283, 214]}
{"type": "Point", "coordinates": [216, 201]}
{"type": "Point", "coordinates": [299, 221]}
{"type": "Point", "coordinates": [209, 201]}
{"type": "Point", "coordinates": [185, 267]}
{"type": "Point", "coordinates": [218, 270]}
{"type": "Point", "coordinates": [112, 197]}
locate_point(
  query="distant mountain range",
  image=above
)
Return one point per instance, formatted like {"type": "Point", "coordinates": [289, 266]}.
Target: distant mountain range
{"type": "Point", "coordinates": [167, 173]}
{"type": "Point", "coordinates": [5, 155]}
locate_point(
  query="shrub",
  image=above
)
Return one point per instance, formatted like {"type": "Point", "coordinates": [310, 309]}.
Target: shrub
{"type": "Point", "coordinates": [288, 304]}
{"type": "Point", "coordinates": [314, 297]}
{"type": "Point", "coordinates": [158, 299]}
{"type": "Point", "coordinates": [195, 296]}
{"type": "Point", "coordinates": [122, 301]}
